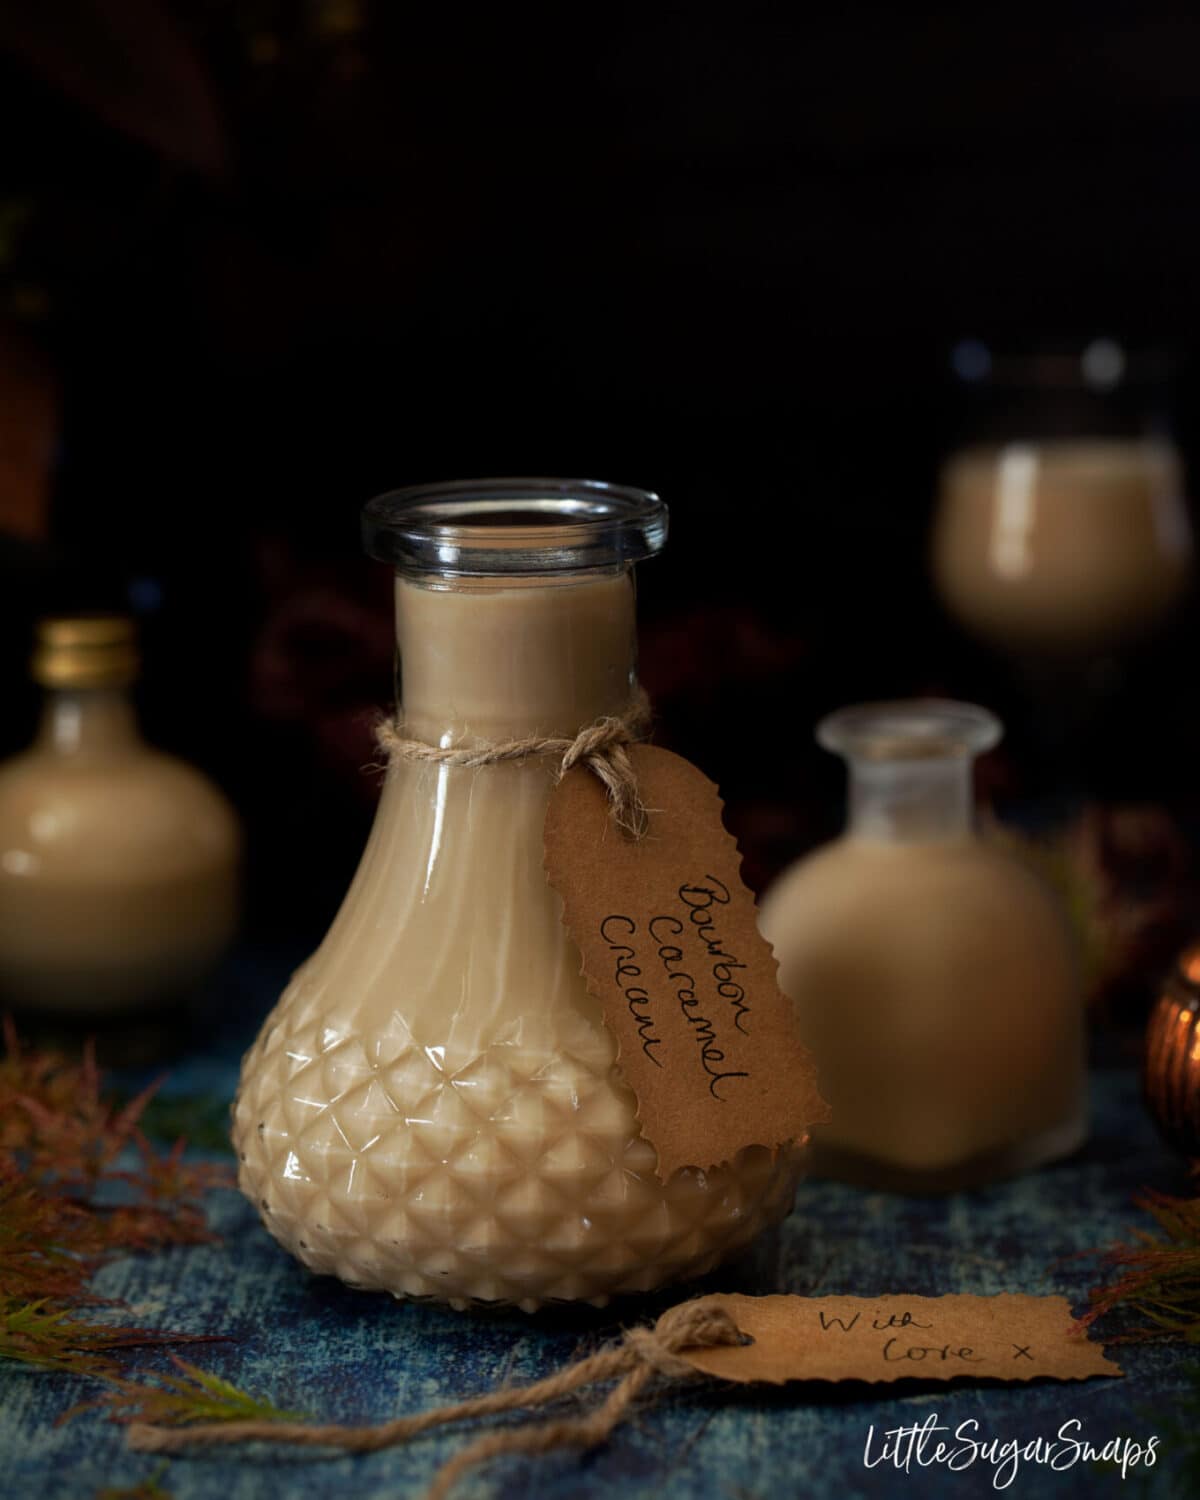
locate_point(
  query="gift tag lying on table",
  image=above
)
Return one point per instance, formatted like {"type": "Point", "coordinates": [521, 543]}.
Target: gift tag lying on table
{"type": "Point", "coordinates": [1005, 1337]}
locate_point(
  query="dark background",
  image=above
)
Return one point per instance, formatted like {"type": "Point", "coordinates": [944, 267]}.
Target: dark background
{"type": "Point", "coordinates": [259, 261]}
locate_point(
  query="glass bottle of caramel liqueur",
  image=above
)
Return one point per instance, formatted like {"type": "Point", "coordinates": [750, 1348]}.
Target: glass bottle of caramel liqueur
{"type": "Point", "coordinates": [118, 864]}
{"type": "Point", "coordinates": [935, 975]}
{"type": "Point", "coordinates": [434, 1108]}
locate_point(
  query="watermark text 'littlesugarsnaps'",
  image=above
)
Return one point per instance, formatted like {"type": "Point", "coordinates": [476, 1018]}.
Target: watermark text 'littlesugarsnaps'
{"type": "Point", "coordinates": [928, 1444]}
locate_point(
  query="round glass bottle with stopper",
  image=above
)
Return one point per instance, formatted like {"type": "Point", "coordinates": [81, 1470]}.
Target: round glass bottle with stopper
{"type": "Point", "coordinates": [118, 863]}
{"type": "Point", "coordinates": [934, 973]}
{"type": "Point", "coordinates": [434, 1108]}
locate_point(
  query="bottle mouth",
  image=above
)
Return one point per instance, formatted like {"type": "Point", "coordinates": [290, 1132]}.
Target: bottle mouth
{"type": "Point", "coordinates": [910, 729]}
{"type": "Point", "coordinates": [495, 527]}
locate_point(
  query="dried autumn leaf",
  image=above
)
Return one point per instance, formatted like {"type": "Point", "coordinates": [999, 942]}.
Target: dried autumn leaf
{"type": "Point", "coordinates": [36, 1333]}
{"type": "Point", "coordinates": [147, 1489]}
{"type": "Point", "coordinates": [79, 1184]}
{"type": "Point", "coordinates": [193, 1395]}
{"type": "Point", "coordinates": [1159, 1274]}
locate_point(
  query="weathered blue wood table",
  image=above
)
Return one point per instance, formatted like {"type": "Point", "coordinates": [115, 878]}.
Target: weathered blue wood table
{"type": "Point", "coordinates": [313, 1345]}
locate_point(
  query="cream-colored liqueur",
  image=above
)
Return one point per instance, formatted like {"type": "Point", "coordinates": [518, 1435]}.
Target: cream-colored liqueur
{"type": "Point", "coordinates": [434, 1107]}
{"type": "Point", "coordinates": [934, 975]}
{"type": "Point", "coordinates": [118, 864]}
{"type": "Point", "coordinates": [1062, 546]}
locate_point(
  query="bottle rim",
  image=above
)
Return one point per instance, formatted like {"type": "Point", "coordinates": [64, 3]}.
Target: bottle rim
{"type": "Point", "coordinates": [496, 527]}
{"type": "Point", "coordinates": [910, 729]}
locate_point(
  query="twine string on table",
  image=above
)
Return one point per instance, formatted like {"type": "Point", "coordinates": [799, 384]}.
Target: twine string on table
{"type": "Point", "coordinates": [642, 1354]}
{"type": "Point", "coordinates": [602, 746]}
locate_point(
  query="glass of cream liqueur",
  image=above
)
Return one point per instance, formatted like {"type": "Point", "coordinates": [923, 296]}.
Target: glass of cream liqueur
{"type": "Point", "coordinates": [434, 1108]}
{"type": "Point", "coordinates": [1061, 529]}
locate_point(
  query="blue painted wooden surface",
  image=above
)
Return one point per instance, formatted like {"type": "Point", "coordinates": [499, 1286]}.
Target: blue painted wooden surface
{"type": "Point", "coordinates": [312, 1344]}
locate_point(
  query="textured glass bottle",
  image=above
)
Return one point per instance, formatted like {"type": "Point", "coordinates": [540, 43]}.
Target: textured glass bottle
{"type": "Point", "coordinates": [934, 974]}
{"type": "Point", "coordinates": [433, 1107]}
{"type": "Point", "coordinates": [118, 863]}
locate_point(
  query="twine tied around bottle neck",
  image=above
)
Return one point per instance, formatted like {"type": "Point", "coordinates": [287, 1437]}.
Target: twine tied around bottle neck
{"type": "Point", "coordinates": [602, 746]}
{"type": "Point", "coordinates": [641, 1355]}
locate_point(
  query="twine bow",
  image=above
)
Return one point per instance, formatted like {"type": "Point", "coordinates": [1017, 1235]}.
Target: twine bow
{"type": "Point", "coordinates": [601, 746]}
{"type": "Point", "coordinates": [641, 1355]}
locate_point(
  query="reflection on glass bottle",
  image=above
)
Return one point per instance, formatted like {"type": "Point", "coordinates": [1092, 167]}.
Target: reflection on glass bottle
{"type": "Point", "coordinates": [433, 1108]}
{"type": "Point", "coordinates": [934, 975]}
{"type": "Point", "coordinates": [118, 864]}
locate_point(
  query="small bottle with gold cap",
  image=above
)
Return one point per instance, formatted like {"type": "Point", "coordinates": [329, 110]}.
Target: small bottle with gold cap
{"type": "Point", "coordinates": [118, 864]}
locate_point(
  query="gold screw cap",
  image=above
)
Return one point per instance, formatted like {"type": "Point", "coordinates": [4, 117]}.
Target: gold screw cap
{"type": "Point", "coordinates": [85, 651]}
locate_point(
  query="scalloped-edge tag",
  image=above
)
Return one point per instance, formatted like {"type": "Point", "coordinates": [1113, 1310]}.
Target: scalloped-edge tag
{"type": "Point", "coordinates": [671, 949]}
{"type": "Point", "coordinates": [1003, 1337]}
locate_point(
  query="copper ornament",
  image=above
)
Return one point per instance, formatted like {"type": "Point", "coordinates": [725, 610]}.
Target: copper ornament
{"type": "Point", "coordinates": [1171, 1074]}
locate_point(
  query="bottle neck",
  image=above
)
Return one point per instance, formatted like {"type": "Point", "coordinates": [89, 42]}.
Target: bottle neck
{"type": "Point", "coordinates": [88, 723]}
{"type": "Point", "coordinates": [506, 657]}
{"type": "Point", "coordinates": [919, 800]}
